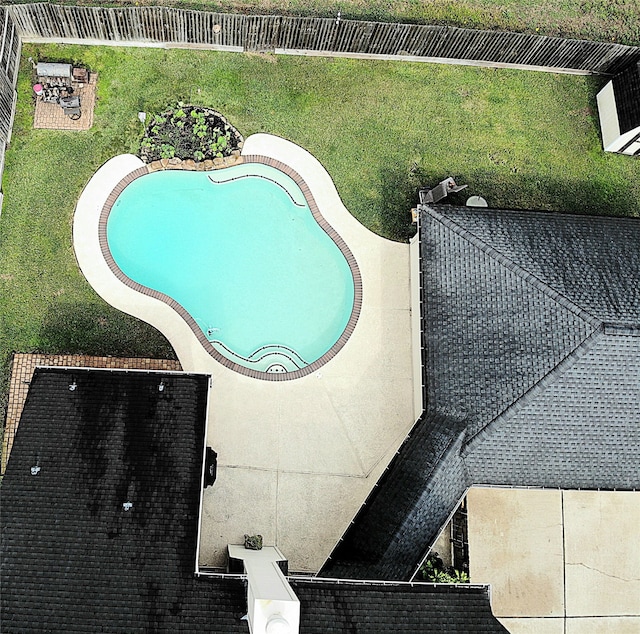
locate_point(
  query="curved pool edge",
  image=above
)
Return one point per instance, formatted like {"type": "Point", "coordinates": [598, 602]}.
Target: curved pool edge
{"type": "Point", "coordinates": [313, 172]}
{"type": "Point", "coordinates": [129, 170]}
{"type": "Point", "coordinates": [101, 278]}
{"type": "Point", "coordinates": [86, 241]}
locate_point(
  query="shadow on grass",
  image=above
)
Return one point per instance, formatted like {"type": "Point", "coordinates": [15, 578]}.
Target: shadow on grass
{"type": "Point", "coordinates": [502, 190]}
{"type": "Point", "coordinates": [85, 328]}
{"type": "Point", "coordinates": [593, 197]}
{"type": "Point", "coordinates": [399, 188]}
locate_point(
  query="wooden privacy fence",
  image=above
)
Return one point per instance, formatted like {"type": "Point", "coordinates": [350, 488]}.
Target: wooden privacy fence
{"type": "Point", "coordinates": [177, 27]}
{"type": "Point", "coordinates": [9, 62]}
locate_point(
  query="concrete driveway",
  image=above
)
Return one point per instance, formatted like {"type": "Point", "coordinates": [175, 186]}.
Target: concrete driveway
{"type": "Point", "coordinates": [559, 562]}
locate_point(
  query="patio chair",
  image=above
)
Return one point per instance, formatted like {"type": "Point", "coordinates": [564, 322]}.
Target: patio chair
{"type": "Point", "coordinates": [440, 191]}
{"type": "Point", "coordinates": [71, 107]}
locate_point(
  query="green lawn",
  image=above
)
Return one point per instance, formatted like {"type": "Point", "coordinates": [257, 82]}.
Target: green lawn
{"type": "Point", "coordinates": [382, 129]}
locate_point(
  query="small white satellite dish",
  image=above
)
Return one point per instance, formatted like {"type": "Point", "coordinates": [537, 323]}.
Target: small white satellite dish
{"type": "Point", "coordinates": [476, 201]}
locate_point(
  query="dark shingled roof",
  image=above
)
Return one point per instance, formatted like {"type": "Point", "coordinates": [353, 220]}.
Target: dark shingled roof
{"type": "Point", "coordinates": [626, 88]}
{"type": "Point", "coordinates": [73, 560]}
{"type": "Point", "coordinates": [589, 430]}
{"type": "Point", "coordinates": [340, 608]}
{"type": "Point", "coordinates": [531, 333]}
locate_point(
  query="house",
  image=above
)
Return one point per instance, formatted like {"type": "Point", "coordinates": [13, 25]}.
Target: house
{"type": "Point", "coordinates": [531, 353]}
{"type": "Point", "coordinates": [531, 362]}
{"type": "Point", "coordinates": [101, 498]}
{"type": "Point", "coordinates": [619, 111]}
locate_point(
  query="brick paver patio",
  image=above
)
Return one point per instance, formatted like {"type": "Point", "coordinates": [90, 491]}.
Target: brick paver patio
{"type": "Point", "coordinates": [23, 366]}
{"type": "Point", "coordinates": [51, 116]}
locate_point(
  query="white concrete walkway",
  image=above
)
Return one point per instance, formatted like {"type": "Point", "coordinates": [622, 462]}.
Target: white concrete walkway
{"type": "Point", "coordinates": [296, 459]}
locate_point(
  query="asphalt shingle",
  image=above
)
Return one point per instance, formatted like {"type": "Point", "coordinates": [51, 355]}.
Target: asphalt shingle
{"type": "Point", "coordinates": [73, 557]}
{"type": "Point", "coordinates": [102, 537]}
{"type": "Point", "coordinates": [531, 325]}
{"type": "Point", "coordinates": [329, 607]}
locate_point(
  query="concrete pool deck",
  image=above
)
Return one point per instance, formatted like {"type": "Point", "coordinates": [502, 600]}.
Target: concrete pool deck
{"type": "Point", "coordinates": [296, 459]}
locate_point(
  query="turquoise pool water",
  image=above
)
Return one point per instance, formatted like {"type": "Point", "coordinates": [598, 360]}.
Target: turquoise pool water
{"type": "Point", "coordinates": [240, 251]}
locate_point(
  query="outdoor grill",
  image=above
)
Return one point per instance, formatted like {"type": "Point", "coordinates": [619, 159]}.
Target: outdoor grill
{"type": "Point", "coordinates": [46, 69]}
{"type": "Point", "coordinates": [54, 85]}
{"type": "Point", "coordinates": [54, 78]}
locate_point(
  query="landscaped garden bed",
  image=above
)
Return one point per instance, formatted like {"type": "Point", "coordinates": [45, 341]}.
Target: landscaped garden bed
{"type": "Point", "coordinates": [189, 132]}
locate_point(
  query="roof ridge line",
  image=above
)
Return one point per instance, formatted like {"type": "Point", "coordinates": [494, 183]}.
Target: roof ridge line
{"type": "Point", "coordinates": [568, 361]}
{"type": "Point", "coordinates": [513, 267]}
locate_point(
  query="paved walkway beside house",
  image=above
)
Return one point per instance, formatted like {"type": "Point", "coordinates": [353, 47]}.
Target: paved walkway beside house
{"type": "Point", "coordinates": [23, 366]}
{"type": "Point", "coordinates": [559, 562]}
{"type": "Point", "coordinates": [296, 459]}
{"type": "Point", "coordinates": [50, 116]}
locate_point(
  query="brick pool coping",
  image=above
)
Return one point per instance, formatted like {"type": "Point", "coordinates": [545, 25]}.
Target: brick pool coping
{"type": "Point", "coordinates": [206, 344]}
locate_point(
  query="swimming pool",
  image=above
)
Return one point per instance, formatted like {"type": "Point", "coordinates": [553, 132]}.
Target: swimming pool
{"type": "Point", "coordinates": [245, 257]}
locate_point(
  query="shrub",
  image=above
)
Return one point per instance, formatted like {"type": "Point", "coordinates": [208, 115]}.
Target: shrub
{"type": "Point", "coordinates": [188, 132]}
{"type": "Point", "coordinates": [435, 571]}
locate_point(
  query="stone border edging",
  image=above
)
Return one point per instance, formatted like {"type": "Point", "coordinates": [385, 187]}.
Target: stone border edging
{"type": "Point", "coordinates": [196, 166]}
